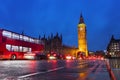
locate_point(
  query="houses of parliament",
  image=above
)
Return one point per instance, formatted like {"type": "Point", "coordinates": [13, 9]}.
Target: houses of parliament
{"type": "Point", "coordinates": [54, 43]}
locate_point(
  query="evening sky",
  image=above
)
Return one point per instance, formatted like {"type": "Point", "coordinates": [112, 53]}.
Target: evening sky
{"type": "Point", "coordinates": [39, 17]}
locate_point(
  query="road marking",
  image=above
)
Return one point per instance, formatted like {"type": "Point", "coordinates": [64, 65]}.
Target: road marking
{"type": "Point", "coordinates": [32, 74]}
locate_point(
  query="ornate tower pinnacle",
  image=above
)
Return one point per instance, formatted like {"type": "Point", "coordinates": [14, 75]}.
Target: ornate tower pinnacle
{"type": "Point", "coordinates": [81, 19]}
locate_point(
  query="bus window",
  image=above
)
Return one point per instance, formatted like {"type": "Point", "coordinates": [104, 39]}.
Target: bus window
{"type": "Point", "coordinates": [29, 50]}
{"type": "Point", "coordinates": [14, 48]}
{"type": "Point", "coordinates": [32, 40]}
{"type": "Point", "coordinates": [7, 34]}
{"type": "Point", "coordinates": [20, 49]}
{"type": "Point", "coordinates": [26, 38]}
{"type": "Point", "coordinates": [21, 37]}
{"type": "Point", "coordinates": [25, 49]}
{"type": "Point", "coordinates": [8, 47]}
{"type": "Point", "coordinates": [15, 36]}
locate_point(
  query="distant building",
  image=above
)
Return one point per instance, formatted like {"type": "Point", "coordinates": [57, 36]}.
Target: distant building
{"type": "Point", "coordinates": [97, 53]}
{"type": "Point", "coordinates": [68, 50]}
{"type": "Point", "coordinates": [53, 43]}
{"type": "Point", "coordinates": [113, 48]}
{"type": "Point", "coordinates": [100, 53]}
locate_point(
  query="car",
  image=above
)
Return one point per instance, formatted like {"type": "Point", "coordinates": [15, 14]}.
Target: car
{"type": "Point", "coordinates": [40, 56]}
{"type": "Point", "coordinates": [34, 56]}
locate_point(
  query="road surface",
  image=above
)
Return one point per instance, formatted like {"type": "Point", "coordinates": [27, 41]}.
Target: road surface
{"type": "Point", "coordinates": [53, 70]}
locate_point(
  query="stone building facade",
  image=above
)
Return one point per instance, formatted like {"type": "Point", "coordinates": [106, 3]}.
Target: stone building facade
{"type": "Point", "coordinates": [52, 43]}
{"type": "Point", "coordinates": [113, 48]}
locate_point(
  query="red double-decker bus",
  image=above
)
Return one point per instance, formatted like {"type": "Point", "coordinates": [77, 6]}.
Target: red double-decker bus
{"type": "Point", "coordinates": [13, 45]}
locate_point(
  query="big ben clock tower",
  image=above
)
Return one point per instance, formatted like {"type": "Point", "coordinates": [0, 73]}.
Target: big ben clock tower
{"type": "Point", "coordinates": [82, 40]}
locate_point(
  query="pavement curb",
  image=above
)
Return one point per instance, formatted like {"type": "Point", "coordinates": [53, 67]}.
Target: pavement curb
{"type": "Point", "coordinates": [111, 74]}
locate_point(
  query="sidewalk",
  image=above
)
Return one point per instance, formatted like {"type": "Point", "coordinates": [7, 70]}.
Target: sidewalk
{"type": "Point", "coordinates": [111, 74]}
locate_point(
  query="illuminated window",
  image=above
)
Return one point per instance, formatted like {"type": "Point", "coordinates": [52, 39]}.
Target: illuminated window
{"type": "Point", "coordinates": [29, 49]}
{"type": "Point", "coordinates": [26, 38]}
{"type": "Point", "coordinates": [8, 47]}
{"type": "Point", "coordinates": [20, 49]}
{"type": "Point", "coordinates": [25, 49]}
{"type": "Point", "coordinates": [21, 37]}
{"type": "Point", "coordinates": [14, 48]}
{"type": "Point", "coordinates": [31, 40]}
{"type": "Point", "coordinates": [112, 53]}
{"type": "Point", "coordinates": [15, 36]}
{"type": "Point", "coordinates": [7, 34]}
{"type": "Point", "coordinates": [36, 41]}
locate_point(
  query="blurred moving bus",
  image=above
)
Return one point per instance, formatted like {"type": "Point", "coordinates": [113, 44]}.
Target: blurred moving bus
{"type": "Point", "coordinates": [13, 45]}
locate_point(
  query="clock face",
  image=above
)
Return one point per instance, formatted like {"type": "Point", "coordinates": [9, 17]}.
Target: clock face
{"type": "Point", "coordinates": [81, 29]}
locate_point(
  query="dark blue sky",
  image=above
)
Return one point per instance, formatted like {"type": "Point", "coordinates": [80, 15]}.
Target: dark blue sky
{"type": "Point", "coordinates": [35, 17]}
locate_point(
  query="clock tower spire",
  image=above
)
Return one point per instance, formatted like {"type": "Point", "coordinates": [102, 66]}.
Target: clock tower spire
{"type": "Point", "coordinates": [81, 19]}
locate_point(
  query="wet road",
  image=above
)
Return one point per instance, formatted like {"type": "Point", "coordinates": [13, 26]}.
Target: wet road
{"type": "Point", "coordinates": [53, 70]}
